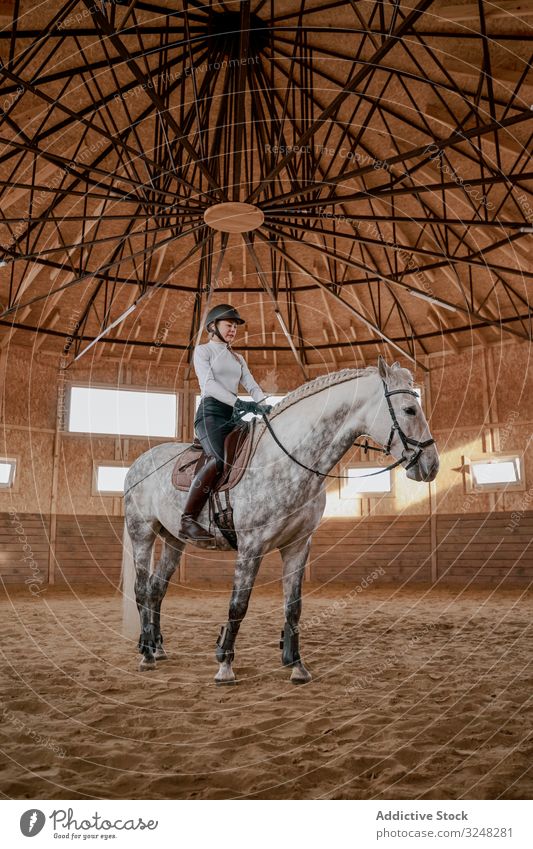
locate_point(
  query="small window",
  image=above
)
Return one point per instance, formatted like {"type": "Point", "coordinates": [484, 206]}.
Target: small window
{"type": "Point", "coordinates": [122, 411]}
{"type": "Point", "coordinates": [494, 473]}
{"type": "Point", "coordinates": [355, 485]}
{"type": "Point", "coordinates": [109, 479]}
{"type": "Point", "coordinates": [7, 472]}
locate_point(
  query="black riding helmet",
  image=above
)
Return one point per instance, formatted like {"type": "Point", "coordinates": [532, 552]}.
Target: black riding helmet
{"type": "Point", "coordinates": [222, 312]}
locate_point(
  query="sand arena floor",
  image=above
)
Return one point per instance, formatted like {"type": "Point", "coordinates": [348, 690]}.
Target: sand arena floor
{"type": "Point", "coordinates": [416, 694]}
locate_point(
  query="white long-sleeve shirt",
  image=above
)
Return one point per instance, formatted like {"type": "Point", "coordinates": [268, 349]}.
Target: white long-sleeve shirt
{"type": "Point", "coordinates": [219, 372]}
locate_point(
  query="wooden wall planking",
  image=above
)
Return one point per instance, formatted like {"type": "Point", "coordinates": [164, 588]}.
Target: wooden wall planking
{"type": "Point", "coordinates": [490, 549]}
{"type": "Point", "coordinates": [88, 549]}
{"type": "Point", "coordinates": [24, 548]}
{"type": "Point", "coordinates": [398, 548]}
{"type": "Point", "coordinates": [495, 548]}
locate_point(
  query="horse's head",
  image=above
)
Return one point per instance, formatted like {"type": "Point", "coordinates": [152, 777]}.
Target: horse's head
{"type": "Point", "coordinates": [395, 419]}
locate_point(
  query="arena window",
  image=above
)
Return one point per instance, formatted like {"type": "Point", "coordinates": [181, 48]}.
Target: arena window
{"type": "Point", "coordinates": [7, 472]}
{"type": "Point", "coordinates": [355, 485]}
{"type": "Point", "coordinates": [494, 473]}
{"type": "Point", "coordinates": [109, 479]}
{"type": "Point", "coordinates": [122, 411]}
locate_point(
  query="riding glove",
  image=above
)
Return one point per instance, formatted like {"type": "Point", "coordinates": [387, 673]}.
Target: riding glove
{"type": "Point", "coordinates": [242, 407]}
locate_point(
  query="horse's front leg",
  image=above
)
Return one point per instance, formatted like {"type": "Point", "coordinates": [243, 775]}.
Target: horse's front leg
{"type": "Point", "coordinates": [246, 568]}
{"type": "Point", "coordinates": [294, 558]}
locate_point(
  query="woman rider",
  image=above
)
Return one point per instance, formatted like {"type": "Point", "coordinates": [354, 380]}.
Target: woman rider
{"type": "Point", "coordinates": [219, 371]}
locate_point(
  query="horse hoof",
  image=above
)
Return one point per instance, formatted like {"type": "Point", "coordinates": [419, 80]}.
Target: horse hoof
{"type": "Point", "coordinates": [160, 654]}
{"type": "Point", "coordinates": [147, 665]}
{"type": "Point", "coordinates": [225, 676]}
{"type": "Point", "coordinates": [300, 675]}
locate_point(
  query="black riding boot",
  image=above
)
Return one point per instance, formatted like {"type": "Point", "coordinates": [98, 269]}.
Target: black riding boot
{"type": "Point", "coordinates": [201, 486]}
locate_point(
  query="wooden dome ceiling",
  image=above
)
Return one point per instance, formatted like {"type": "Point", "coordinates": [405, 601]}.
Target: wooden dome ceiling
{"type": "Point", "coordinates": [381, 148]}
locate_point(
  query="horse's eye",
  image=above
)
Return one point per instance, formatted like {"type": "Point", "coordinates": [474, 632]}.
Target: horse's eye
{"type": "Point", "coordinates": [410, 411]}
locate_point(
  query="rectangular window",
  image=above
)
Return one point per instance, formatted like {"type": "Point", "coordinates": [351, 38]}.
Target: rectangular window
{"type": "Point", "coordinates": [109, 479]}
{"type": "Point", "coordinates": [494, 473]}
{"type": "Point", "coordinates": [7, 472]}
{"type": "Point", "coordinates": [355, 485]}
{"type": "Point", "coordinates": [122, 411]}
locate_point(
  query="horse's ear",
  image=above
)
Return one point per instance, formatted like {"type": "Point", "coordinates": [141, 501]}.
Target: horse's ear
{"type": "Point", "coordinates": [383, 368]}
{"type": "Point", "coordinates": [395, 365]}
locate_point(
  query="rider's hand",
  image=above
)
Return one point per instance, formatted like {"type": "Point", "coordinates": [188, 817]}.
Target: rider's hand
{"type": "Point", "coordinates": [242, 407]}
{"type": "Point", "coordinates": [264, 408]}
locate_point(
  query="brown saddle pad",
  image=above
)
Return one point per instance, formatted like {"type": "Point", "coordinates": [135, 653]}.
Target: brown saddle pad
{"type": "Point", "coordinates": [237, 449]}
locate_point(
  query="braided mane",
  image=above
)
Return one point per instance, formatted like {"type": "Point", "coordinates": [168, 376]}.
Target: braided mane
{"type": "Point", "coordinates": [319, 383]}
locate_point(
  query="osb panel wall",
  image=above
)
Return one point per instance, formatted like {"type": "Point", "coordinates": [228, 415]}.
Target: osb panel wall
{"type": "Point", "coordinates": [468, 394]}
{"type": "Point", "coordinates": [466, 391]}
{"type": "Point", "coordinates": [451, 496]}
{"type": "Point", "coordinates": [457, 391]}
{"type": "Point", "coordinates": [29, 392]}
{"type": "Point", "coordinates": [29, 413]}
{"type": "Point", "coordinates": [33, 451]}
{"type": "Point", "coordinates": [513, 382]}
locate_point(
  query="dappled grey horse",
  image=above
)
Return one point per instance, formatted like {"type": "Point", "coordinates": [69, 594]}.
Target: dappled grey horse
{"type": "Point", "coordinates": [277, 503]}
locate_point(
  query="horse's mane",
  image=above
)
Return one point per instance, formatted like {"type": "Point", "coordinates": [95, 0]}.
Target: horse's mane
{"type": "Point", "coordinates": [319, 383]}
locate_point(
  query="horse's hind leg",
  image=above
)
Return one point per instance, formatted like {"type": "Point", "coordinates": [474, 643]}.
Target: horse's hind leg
{"type": "Point", "coordinates": [294, 558]}
{"type": "Point", "coordinates": [142, 542]}
{"type": "Point", "coordinates": [166, 566]}
{"type": "Point", "coordinates": [246, 569]}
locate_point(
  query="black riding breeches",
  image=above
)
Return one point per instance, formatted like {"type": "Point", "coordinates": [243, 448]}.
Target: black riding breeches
{"type": "Point", "coordinates": [212, 424]}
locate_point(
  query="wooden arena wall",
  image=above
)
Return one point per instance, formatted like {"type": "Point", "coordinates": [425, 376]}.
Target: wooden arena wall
{"type": "Point", "coordinates": [54, 528]}
{"type": "Point", "coordinates": [494, 548]}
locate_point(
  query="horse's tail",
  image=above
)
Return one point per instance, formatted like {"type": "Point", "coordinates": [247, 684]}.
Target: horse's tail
{"type": "Point", "coordinates": [130, 615]}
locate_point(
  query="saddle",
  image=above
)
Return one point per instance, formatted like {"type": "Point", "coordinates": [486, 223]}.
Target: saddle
{"type": "Point", "coordinates": [237, 449]}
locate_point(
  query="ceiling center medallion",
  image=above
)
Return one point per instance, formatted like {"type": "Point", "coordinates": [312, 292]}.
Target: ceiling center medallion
{"type": "Point", "coordinates": [234, 217]}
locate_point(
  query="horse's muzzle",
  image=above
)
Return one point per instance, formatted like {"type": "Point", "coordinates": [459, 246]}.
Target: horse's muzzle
{"type": "Point", "coordinates": [426, 469]}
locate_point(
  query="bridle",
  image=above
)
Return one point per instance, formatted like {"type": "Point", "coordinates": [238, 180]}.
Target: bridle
{"type": "Point", "coordinates": [407, 441]}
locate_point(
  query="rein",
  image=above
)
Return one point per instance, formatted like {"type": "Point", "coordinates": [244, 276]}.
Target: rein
{"type": "Point", "coordinates": [407, 441]}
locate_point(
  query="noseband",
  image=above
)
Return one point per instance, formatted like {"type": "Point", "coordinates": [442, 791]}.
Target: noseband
{"type": "Point", "coordinates": [407, 441]}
